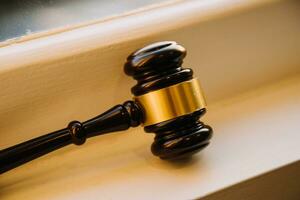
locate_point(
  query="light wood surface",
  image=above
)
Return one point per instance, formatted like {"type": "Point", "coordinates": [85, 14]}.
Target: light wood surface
{"type": "Point", "coordinates": [48, 81]}
{"type": "Point", "coordinates": [254, 133]}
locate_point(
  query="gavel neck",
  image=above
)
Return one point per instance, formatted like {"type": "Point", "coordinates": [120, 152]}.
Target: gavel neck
{"type": "Point", "coordinates": [118, 118]}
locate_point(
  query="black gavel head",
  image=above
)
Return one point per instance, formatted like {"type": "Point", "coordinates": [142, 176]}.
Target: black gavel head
{"type": "Point", "coordinates": [171, 100]}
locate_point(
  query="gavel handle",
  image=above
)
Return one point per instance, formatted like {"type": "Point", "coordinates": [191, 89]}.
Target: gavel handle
{"type": "Point", "coordinates": [118, 118]}
{"type": "Point", "coordinates": [22, 153]}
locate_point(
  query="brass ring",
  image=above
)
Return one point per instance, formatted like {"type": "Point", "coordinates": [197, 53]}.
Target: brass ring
{"type": "Point", "coordinates": [171, 102]}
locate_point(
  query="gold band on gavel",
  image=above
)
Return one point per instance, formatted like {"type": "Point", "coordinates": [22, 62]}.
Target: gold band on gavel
{"type": "Point", "coordinates": [171, 102]}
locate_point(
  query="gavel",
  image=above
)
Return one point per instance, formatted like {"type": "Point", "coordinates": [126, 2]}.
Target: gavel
{"type": "Point", "coordinates": [168, 101]}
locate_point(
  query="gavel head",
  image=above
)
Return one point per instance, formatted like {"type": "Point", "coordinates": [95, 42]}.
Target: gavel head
{"type": "Point", "coordinates": [170, 98]}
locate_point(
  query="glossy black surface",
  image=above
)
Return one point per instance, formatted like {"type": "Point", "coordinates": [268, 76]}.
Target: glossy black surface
{"type": "Point", "coordinates": [158, 66]}
{"type": "Point", "coordinates": [180, 137]}
{"type": "Point", "coordinates": [27, 151]}
{"type": "Point", "coordinates": [118, 118]}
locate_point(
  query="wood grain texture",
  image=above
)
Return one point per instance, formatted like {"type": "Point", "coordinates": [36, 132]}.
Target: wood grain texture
{"type": "Point", "coordinates": [44, 82]}
{"type": "Point", "coordinates": [282, 183]}
{"type": "Point", "coordinates": [121, 29]}
{"type": "Point", "coordinates": [253, 135]}
{"type": "Point", "coordinates": [94, 80]}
